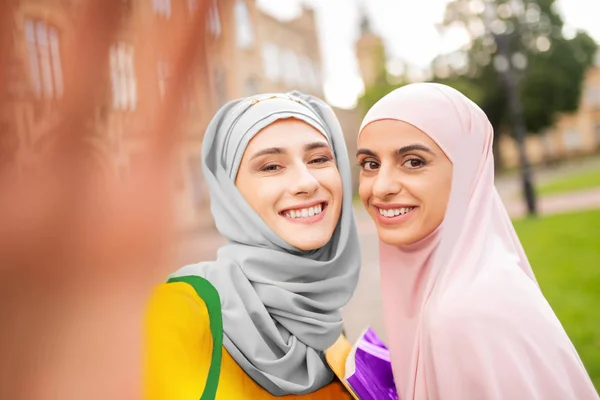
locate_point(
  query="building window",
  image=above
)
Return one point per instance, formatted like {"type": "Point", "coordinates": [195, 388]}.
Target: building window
{"type": "Point", "coordinates": [593, 95]}
{"type": "Point", "coordinates": [122, 76]}
{"type": "Point", "coordinates": [547, 144]}
{"type": "Point", "coordinates": [291, 72]}
{"type": "Point", "coordinates": [308, 72]}
{"type": "Point", "coordinates": [214, 20]}
{"type": "Point", "coordinates": [304, 67]}
{"type": "Point", "coordinates": [270, 58]}
{"type": "Point", "coordinates": [45, 67]}
{"type": "Point", "coordinates": [245, 36]}
{"type": "Point", "coordinates": [162, 7]}
{"type": "Point", "coordinates": [571, 140]}
{"type": "Point", "coordinates": [163, 70]}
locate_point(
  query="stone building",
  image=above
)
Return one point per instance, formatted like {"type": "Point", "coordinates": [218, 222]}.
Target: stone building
{"type": "Point", "coordinates": [572, 135]}
{"type": "Point", "coordinates": [248, 52]}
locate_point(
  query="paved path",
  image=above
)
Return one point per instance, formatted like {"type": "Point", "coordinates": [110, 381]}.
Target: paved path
{"type": "Point", "coordinates": [560, 203]}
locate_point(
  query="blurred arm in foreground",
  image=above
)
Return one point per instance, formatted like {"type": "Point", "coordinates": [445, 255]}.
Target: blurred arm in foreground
{"type": "Point", "coordinates": [80, 247]}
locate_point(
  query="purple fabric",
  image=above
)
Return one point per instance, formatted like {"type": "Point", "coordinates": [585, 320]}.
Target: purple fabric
{"type": "Point", "coordinates": [373, 378]}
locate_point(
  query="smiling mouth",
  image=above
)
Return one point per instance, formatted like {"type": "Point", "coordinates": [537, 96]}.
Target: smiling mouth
{"type": "Point", "coordinates": [301, 213]}
{"type": "Point", "coordinates": [394, 212]}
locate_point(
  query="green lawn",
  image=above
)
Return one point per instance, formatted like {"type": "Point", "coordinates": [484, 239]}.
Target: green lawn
{"type": "Point", "coordinates": [581, 181]}
{"type": "Point", "coordinates": [564, 251]}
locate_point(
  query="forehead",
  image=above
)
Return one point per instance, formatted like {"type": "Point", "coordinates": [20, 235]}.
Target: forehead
{"type": "Point", "coordinates": [286, 133]}
{"type": "Point", "coordinates": [393, 133]}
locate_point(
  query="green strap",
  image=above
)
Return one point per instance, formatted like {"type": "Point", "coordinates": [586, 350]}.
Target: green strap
{"type": "Point", "coordinates": [210, 296]}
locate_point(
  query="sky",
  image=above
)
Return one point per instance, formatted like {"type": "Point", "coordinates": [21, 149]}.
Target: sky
{"type": "Point", "coordinates": [399, 23]}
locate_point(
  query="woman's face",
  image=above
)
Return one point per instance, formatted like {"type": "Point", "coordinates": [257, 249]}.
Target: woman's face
{"type": "Point", "coordinates": [405, 180]}
{"type": "Point", "coordinates": [288, 175]}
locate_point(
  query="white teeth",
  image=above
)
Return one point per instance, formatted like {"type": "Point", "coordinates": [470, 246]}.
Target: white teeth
{"type": "Point", "coordinates": [304, 212]}
{"type": "Point", "coordinates": [393, 212]}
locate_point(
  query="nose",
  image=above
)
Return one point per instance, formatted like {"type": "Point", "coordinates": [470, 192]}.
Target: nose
{"type": "Point", "coordinates": [304, 182]}
{"type": "Point", "coordinates": [387, 183]}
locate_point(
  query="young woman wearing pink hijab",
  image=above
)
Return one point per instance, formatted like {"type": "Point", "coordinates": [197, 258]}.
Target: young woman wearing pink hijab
{"type": "Point", "coordinates": [464, 315]}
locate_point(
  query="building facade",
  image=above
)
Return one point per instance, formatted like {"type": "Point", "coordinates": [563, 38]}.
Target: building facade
{"type": "Point", "coordinates": [573, 135]}
{"type": "Point", "coordinates": [247, 52]}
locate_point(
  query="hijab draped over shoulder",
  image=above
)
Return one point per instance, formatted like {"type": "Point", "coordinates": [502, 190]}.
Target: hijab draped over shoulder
{"type": "Point", "coordinates": [281, 306]}
{"type": "Point", "coordinates": [464, 315]}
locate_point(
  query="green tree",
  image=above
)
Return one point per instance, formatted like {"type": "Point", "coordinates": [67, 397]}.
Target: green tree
{"type": "Point", "coordinates": [550, 66]}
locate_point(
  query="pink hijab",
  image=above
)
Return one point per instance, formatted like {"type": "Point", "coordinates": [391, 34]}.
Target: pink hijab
{"type": "Point", "coordinates": [464, 315]}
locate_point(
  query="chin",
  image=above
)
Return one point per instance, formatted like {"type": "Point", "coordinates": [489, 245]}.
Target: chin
{"type": "Point", "coordinates": [309, 244]}
{"type": "Point", "coordinates": [394, 238]}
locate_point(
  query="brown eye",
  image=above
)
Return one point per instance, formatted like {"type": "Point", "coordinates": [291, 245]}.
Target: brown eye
{"type": "Point", "coordinates": [270, 168]}
{"type": "Point", "coordinates": [320, 160]}
{"type": "Point", "coordinates": [369, 165]}
{"type": "Point", "coordinates": [414, 163]}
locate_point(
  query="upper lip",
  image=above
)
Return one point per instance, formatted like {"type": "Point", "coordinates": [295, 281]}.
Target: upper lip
{"type": "Point", "coordinates": [305, 205]}
{"type": "Point", "coordinates": [392, 206]}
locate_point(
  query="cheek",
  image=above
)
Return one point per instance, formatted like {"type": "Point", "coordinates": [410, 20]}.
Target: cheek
{"type": "Point", "coordinates": [330, 180]}
{"type": "Point", "coordinates": [365, 185]}
{"type": "Point", "coordinates": [260, 193]}
{"type": "Point", "coordinates": [435, 194]}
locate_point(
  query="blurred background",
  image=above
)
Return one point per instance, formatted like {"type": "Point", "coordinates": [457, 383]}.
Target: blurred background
{"type": "Point", "coordinates": [103, 106]}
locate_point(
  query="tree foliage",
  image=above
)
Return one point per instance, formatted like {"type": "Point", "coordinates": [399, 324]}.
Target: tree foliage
{"type": "Point", "coordinates": [551, 66]}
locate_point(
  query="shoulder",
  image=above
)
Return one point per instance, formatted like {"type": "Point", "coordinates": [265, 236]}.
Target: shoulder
{"type": "Point", "coordinates": [189, 303]}
{"type": "Point", "coordinates": [490, 315]}
{"type": "Point", "coordinates": [183, 340]}
{"type": "Point", "coordinates": [470, 315]}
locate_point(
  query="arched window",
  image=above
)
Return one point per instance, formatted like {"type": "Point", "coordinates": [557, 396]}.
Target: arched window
{"type": "Point", "coordinates": [43, 49]}
{"type": "Point", "coordinates": [122, 76]}
{"type": "Point", "coordinates": [214, 20]}
{"type": "Point", "coordinates": [162, 7]}
{"type": "Point", "coordinates": [270, 58]}
{"type": "Point", "coordinates": [245, 35]}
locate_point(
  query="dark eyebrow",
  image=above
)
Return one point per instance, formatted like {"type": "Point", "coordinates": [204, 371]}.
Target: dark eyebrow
{"type": "Point", "coordinates": [315, 145]}
{"type": "Point", "coordinates": [270, 150]}
{"type": "Point", "coordinates": [414, 147]}
{"type": "Point", "coordinates": [281, 150]}
{"type": "Point", "coordinates": [400, 151]}
{"type": "Point", "coordinates": [365, 152]}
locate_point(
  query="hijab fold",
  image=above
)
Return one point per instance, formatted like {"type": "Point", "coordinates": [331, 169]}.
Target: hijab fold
{"type": "Point", "coordinates": [463, 313]}
{"type": "Point", "coordinates": [281, 305]}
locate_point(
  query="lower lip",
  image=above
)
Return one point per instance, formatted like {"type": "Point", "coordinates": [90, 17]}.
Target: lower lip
{"type": "Point", "coordinates": [398, 219]}
{"type": "Point", "coordinates": [308, 220]}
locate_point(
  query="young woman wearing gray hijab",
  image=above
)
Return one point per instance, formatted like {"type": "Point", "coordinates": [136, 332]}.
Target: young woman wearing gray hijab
{"type": "Point", "coordinates": [278, 173]}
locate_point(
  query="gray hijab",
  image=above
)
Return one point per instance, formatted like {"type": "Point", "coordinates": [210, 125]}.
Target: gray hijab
{"type": "Point", "coordinates": [281, 306]}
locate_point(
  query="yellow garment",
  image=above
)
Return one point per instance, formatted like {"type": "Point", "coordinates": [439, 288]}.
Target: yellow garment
{"type": "Point", "coordinates": [179, 348]}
